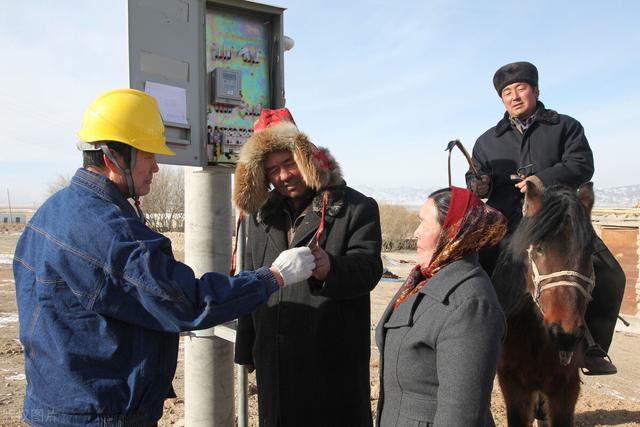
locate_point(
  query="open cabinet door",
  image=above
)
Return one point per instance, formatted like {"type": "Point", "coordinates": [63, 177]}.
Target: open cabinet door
{"type": "Point", "coordinates": [167, 59]}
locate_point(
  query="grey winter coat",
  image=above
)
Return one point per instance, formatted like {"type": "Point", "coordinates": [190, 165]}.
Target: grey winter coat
{"type": "Point", "coordinates": [310, 343]}
{"type": "Point", "coordinates": [439, 350]}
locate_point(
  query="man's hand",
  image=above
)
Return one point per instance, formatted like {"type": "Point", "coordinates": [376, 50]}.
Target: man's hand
{"type": "Point", "coordinates": [522, 185]}
{"type": "Point", "coordinates": [293, 265]}
{"type": "Point", "coordinates": [323, 263]}
{"type": "Point", "coordinates": [480, 187]}
{"type": "Point", "coordinates": [250, 368]}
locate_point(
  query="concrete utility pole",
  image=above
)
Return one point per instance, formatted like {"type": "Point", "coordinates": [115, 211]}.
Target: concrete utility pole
{"type": "Point", "coordinates": [209, 392]}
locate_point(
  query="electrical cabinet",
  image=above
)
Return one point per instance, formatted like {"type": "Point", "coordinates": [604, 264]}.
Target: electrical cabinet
{"type": "Point", "coordinates": [212, 66]}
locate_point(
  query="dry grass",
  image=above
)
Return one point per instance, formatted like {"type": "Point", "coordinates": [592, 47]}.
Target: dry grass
{"type": "Point", "coordinates": [164, 205]}
{"type": "Point", "coordinates": [398, 224]}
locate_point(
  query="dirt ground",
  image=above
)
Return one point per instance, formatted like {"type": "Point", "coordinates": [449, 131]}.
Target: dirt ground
{"type": "Point", "coordinates": [604, 401]}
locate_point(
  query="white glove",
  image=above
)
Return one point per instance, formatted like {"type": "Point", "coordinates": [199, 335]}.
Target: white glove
{"type": "Point", "coordinates": [295, 265]}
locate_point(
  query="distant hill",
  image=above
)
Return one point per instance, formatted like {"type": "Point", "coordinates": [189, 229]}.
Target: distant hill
{"type": "Point", "coordinates": [618, 197]}
{"type": "Point", "coordinates": [410, 197]}
{"type": "Point", "coordinates": [614, 197]}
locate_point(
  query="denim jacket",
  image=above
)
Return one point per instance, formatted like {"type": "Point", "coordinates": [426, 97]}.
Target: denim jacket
{"type": "Point", "coordinates": [101, 301]}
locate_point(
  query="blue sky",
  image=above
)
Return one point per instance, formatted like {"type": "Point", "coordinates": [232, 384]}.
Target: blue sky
{"type": "Point", "coordinates": [383, 85]}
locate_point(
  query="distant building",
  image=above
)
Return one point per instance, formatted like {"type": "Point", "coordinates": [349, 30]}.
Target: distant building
{"type": "Point", "coordinates": [18, 215]}
{"type": "Point", "coordinates": [16, 219]}
{"type": "Point", "coordinates": [620, 230]}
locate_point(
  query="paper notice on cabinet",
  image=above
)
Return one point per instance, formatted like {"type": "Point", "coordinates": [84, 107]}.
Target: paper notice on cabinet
{"type": "Point", "coordinates": [171, 99]}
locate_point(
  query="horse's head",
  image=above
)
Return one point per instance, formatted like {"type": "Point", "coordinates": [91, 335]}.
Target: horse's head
{"type": "Point", "coordinates": [557, 235]}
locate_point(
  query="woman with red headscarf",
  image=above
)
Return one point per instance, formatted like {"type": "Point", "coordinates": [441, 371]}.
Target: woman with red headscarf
{"type": "Point", "coordinates": [441, 335]}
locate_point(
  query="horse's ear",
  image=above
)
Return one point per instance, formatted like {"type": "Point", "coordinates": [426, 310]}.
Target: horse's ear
{"type": "Point", "coordinates": [532, 199]}
{"type": "Point", "coordinates": [586, 196]}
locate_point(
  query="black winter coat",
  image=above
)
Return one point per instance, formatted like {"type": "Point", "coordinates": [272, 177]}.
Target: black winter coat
{"type": "Point", "coordinates": [554, 145]}
{"type": "Point", "coordinates": [310, 343]}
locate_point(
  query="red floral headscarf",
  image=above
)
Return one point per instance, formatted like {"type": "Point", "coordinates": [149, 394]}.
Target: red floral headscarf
{"type": "Point", "coordinates": [469, 226]}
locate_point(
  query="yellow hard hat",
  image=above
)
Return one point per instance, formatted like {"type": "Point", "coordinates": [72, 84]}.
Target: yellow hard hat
{"type": "Point", "coordinates": [128, 116]}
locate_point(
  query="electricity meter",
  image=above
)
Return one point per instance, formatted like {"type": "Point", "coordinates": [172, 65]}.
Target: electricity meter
{"type": "Point", "coordinates": [225, 86]}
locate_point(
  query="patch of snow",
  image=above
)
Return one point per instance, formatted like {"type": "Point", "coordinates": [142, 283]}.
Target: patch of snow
{"type": "Point", "coordinates": [8, 318]}
{"type": "Point", "coordinates": [16, 377]}
{"type": "Point", "coordinates": [609, 391]}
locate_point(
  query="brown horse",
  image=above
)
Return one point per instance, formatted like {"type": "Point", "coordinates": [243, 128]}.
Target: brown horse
{"type": "Point", "coordinates": [544, 280]}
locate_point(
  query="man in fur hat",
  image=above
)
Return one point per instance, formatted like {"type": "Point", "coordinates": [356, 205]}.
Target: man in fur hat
{"type": "Point", "coordinates": [546, 148]}
{"type": "Point", "coordinates": [310, 345]}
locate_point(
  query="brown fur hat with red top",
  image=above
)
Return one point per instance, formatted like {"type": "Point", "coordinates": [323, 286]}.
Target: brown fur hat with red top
{"type": "Point", "coordinates": [275, 130]}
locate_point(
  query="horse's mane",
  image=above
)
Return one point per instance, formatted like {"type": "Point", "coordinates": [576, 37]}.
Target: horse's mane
{"type": "Point", "coordinates": [559, 207]}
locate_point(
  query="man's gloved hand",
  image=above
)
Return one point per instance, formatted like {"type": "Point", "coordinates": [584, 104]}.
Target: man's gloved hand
{"type": "Point", "coordinates": [480, 187]}
{"type": "Point", "coordinates": [294, 265]}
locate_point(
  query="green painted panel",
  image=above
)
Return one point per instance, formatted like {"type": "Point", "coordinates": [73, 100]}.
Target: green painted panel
{"type": "Point", "coordinates": [238, 42]}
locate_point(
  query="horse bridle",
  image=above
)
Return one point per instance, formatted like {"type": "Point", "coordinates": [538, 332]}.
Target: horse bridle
{"type": "Point", "coordinates": [539, 278]}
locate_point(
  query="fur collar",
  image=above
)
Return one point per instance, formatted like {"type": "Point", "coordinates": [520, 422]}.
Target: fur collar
{"type": "Point", "coordinates": [542, 115]}
{"type": "Point", "coordinates": [251, 186]}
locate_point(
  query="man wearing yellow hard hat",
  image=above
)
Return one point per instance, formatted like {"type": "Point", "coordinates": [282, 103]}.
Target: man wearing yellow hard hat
{"type": "Point", "coordinates": [101, 299]}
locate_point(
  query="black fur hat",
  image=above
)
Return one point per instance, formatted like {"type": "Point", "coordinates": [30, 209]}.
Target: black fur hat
{"type": "Point", "coordinates": [515, 72]}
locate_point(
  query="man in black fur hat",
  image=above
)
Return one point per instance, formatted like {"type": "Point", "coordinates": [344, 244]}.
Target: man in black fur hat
{"type": "Point", "coordinates": [545, 148]}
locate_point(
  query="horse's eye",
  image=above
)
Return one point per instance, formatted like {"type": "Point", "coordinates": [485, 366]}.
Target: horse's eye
{"type": "Point", "coordinates": [538, 250]}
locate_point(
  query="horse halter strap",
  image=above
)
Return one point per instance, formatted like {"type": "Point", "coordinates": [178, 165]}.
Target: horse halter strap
{"type": "Point", "coordinates": [539, 278]}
